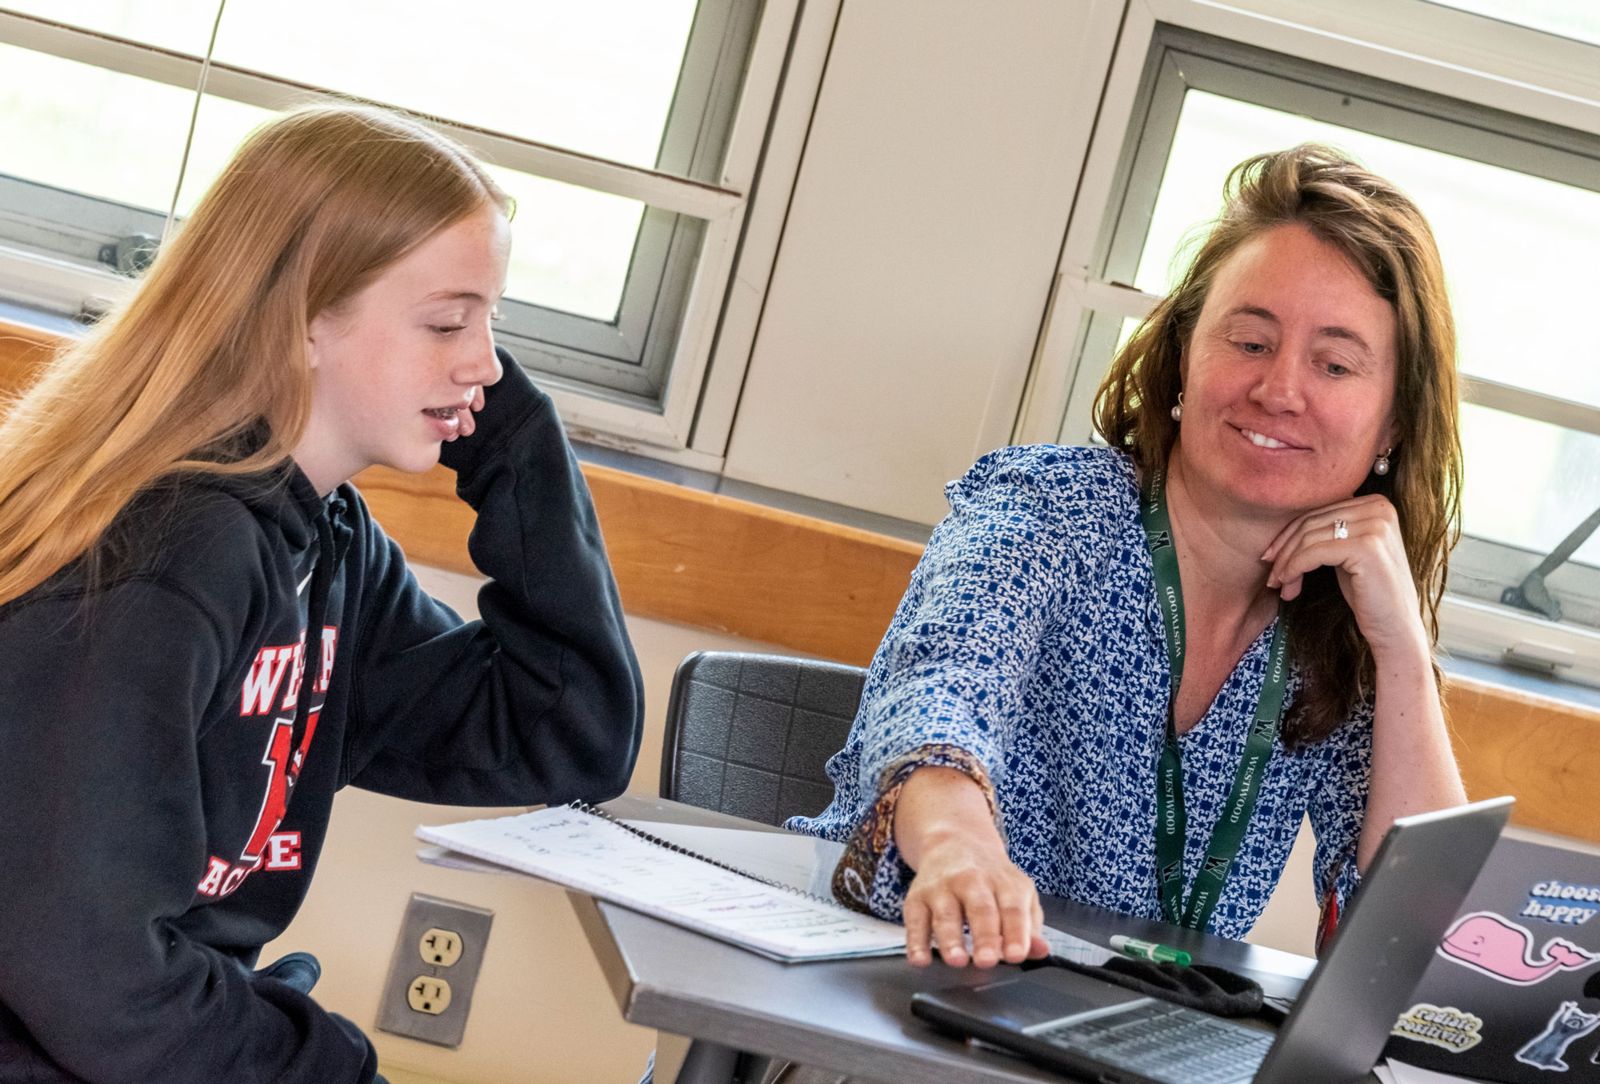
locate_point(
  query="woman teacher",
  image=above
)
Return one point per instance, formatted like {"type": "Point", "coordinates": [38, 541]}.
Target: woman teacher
{"type": "Point", "coordinates": [1125, 675]}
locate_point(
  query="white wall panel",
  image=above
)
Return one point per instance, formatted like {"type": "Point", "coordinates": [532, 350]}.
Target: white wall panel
{"type": "Point", "coordinates": [920, 246]}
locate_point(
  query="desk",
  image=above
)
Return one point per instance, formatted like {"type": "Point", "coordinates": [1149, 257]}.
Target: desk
{"type": "Point", "coordinates": [851, 1016]}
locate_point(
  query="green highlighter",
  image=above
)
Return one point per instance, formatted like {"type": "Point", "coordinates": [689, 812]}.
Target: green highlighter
{"type": "Point", "coordinates": [1149, 950]}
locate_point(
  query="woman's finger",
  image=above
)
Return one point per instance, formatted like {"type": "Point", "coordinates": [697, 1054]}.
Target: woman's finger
{"type": "Point", "coordinates": [1293, 530]}
{"type": "Point", "coordinates": [469, 421]}
{"type": "Point", "coordinates": [1293, 564]}
{"type": "Point", "coordinates": [1315, 544]}
{"type": "Point", "coordinates": [1017, 925]}
{"type": "Point", "coordinates": [948, 932]}
{"type": "Point", "coordinates": [1320, 535]}
{"type": "Point", "coordinates": [983, 923]}
{"type": "Point", "coordinates": [1318, 526]}
{"type": "Point", "coordinates": [918, 932]}
{"type": "Point", "coordinates": [1348, 510]}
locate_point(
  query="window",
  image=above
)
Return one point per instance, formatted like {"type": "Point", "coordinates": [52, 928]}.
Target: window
{"type": "Point", "coordinates": [1515, 204]}
{"type": "Point", "coordinates": [1576, 19]}
{"type": "Point", "coordinates": [611, 122]}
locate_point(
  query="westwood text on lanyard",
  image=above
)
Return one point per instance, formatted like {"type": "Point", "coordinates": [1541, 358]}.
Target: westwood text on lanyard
{"type": "Point", "coordinates": [1170, 824]}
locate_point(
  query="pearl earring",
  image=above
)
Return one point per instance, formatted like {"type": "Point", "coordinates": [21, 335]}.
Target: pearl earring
{"type": "Point", "coordinates": [1177, 411]}
{"type": "Point", "coordinates": [1381, 464]}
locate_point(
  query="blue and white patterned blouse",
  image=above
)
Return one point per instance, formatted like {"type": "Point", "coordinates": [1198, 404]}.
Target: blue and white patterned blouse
{"type": "Point", "coordinates": [1028, 648]}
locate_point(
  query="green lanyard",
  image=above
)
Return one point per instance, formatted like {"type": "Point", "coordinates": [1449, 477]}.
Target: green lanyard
{"type": "Point", "coordinates": [1170, 824]}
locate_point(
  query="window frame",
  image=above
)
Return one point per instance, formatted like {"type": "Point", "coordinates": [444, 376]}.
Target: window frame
{"type": "Point", "coordinates": [635, 379]}
{"type": "Point", "coordinates": [1170, 46]}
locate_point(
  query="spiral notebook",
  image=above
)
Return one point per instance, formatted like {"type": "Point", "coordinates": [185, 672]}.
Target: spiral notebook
{"type": "Point", "coordinates": [583, 848]}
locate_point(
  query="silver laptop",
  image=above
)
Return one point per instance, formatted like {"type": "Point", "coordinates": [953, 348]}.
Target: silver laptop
{"type": "Point", "coordinates": [1337, 1028]}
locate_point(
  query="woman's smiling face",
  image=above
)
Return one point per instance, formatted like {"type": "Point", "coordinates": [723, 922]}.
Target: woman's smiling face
{"type": "Point", "coordinates": [1289, 377]}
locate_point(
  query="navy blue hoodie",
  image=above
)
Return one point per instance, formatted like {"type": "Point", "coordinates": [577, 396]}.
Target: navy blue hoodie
{"type": "Point", "coordinates": [170, 746]}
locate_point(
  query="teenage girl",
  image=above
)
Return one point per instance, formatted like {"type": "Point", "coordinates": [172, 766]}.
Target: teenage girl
{"type": "Point", "coordinates": [204, 635]}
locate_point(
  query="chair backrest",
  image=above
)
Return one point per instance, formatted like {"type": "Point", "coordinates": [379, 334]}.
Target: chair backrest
{"type": "Point", "coordinates": [750, 734]}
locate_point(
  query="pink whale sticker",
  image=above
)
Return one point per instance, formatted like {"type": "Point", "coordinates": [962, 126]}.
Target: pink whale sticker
{"type": "Point", "coordinates": [1505, 951]}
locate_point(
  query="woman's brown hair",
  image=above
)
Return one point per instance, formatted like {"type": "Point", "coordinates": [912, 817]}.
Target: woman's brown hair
{"type": "Point", "coordinates": [1385, 237]}
{"type": "Point", "coordinates": [314, 205]}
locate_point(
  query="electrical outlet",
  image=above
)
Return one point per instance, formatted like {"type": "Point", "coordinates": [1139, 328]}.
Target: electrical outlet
{"type": "Point", "coordinates": [428, 995]}
{"type": "Point", "coordinates": [430, 1002]}
{"type": "Point", "coordinates": [440, 947]}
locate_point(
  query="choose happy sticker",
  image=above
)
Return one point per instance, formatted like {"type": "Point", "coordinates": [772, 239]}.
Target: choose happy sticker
{"type": "Point", "coordinates": [1561, 903]}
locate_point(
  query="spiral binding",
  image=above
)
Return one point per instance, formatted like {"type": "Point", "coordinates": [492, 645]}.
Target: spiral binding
{"type": "Point", "coordinates": [595, 811]}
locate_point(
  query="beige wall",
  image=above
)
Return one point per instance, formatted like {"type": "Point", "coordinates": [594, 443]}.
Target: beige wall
{"type": "Point", "coordinates": [542, 1013]}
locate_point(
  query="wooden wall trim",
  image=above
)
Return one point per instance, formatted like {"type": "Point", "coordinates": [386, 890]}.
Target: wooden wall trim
{"type": "Point", "coordinates": [23, 350]}
{"type": "Point", "coordinates": [693, 557]}
{"type": "Point", "coordinates": [1544, 751]}
{"type": "Point", "coordinates": [807, 585]}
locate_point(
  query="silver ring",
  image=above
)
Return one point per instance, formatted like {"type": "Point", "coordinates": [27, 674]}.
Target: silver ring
{"type": "Point", "coordinates": [1341, 529]}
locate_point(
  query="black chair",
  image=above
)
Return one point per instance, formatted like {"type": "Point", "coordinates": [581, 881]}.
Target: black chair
{"type": "Point", "coordinates": [750, 734]}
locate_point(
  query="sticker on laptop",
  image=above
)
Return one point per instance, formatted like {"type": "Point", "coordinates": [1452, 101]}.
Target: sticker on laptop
{"type": "Point", "coordinates": [1567, 1025]}
{"type": "Point", "coordinates": [1562, 904]}
{"type": "Point", "coordinates": [1506, 952]}
{"type": "Point", "coordinates": [1448, 1028]}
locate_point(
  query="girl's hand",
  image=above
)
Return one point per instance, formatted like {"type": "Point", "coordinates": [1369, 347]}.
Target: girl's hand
{"type": "Point", "coordinates": [965, 882]}
{"type": "Point", "coordinates": [1370, 562]}
{"type": "Point", "coordinates": [469, 423]}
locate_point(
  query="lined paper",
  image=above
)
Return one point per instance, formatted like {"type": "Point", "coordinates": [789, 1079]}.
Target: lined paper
{"type": "Point", "coordinates": [593, 855]}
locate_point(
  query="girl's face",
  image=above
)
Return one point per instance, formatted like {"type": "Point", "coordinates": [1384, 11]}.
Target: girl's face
{"type": "Point", "coordinates": [398, 368]}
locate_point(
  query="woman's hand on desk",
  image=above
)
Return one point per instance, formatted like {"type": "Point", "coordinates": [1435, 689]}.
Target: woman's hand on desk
{"type": "Point", "coordinates": [964, 878]}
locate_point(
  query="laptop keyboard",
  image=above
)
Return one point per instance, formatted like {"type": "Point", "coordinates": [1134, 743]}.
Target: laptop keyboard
{"type": "Point", "coordinates": [1166, 1042]}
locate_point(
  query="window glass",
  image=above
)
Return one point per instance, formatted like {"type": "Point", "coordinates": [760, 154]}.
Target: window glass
{"type": "Point", "coordinates": [1518, 251]}
{"type": "Point", "coordinates": [110, 135]}
{"type": "Point", "coordinates": [1577, 19]}
{"type": "Point", "coordinates": [220, 126]}
{"type": "Point", "coordinates": [571, 247]}
{"type": "Point", "coordinates": [596, 77]}
{"type": "Point", "coordinates": [1529, 482]}
{"type": "Point", "coordinates": [599, 282]}
{"type": "Point", "coordinates": [181, 25]}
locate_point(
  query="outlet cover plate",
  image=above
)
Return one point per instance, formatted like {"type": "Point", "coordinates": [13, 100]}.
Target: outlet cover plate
{"type": "Point", "coordinates": [423, 913]}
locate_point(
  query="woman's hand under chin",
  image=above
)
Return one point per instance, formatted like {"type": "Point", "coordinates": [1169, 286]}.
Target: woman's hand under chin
{"type": "Point", "coordinates": [1413, 768]}
{"type": "Point", "coordinates": [1371, 565]}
